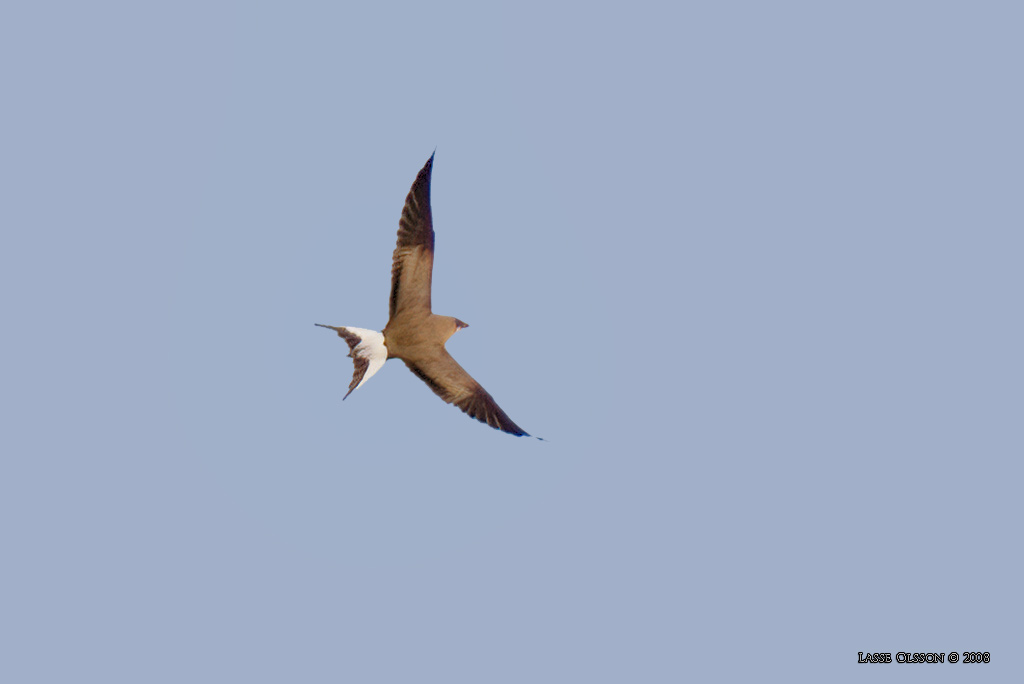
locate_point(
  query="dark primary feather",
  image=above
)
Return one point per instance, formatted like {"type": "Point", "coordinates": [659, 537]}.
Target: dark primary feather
{"type": "Point", "coordinates": [451, 382]}
{"type": "Point", "coordinates": [413, 259]}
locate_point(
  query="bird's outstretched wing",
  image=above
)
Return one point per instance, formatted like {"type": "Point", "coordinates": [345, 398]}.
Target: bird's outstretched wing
{"type": "Point", "coordinates": [413, 259]}
{"type": "Point", "coordinates": [453, 384]}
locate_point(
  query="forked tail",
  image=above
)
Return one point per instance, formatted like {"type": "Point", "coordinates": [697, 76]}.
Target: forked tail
{"type": "Point", "coordinates": [366, 347]}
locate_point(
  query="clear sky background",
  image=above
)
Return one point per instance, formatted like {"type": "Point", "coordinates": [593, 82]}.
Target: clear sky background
{"type": "Point", "coordinates": [753, 270]}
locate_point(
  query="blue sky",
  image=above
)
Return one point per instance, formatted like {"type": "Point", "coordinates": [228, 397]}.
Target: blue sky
{"type": "Point", "coordinates": [753, 270]}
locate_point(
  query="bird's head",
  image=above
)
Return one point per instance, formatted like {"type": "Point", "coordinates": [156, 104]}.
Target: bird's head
{"type": "Point", "coordinates": [446, 326]}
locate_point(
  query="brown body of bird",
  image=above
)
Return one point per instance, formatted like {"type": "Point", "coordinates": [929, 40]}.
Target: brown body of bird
{"type": "Point", "coordinates": [414, 333]}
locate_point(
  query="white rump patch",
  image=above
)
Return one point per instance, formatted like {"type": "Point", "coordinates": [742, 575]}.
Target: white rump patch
{"type": "Point", "coordinates": [371, 348]}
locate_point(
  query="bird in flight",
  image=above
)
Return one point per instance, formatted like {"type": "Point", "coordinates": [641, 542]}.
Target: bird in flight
{"type": "Point", "coordinates": [414, 334]}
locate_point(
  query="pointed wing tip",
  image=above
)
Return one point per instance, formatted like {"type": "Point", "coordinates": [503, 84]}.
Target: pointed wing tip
{"type": "Point", "coordinates": [522, 433]}
{"type": "Point", "coordinates": [509, 429]}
